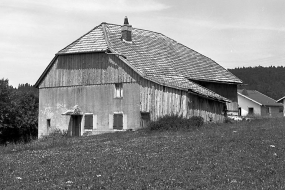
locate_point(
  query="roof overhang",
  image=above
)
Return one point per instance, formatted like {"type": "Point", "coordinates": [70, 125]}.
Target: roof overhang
{"type": "Point", "coordinates": [215, 81]}
{"type": "Point", "coordinates": [280, 99]}
{"type": "Point", "coordinates": [37, 84]}
{"type": "Point", "coordinates": [225, 100]}
{"type": "Point", "coordinates": [75, 111]}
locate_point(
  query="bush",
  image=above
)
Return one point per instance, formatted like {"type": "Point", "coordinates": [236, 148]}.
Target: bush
{"type": "Point", "coordinates": [18, 115]}
{"type": "Point", "coordinates": [56, 134]}
{"type": "Point", "coordinates": [175, 122]}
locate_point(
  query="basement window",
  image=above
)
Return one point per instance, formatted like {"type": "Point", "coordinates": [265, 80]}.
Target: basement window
{"type": "Point", "coordinates": [119, 90]}
{"type": "Point", "coordinates": [88, 124]}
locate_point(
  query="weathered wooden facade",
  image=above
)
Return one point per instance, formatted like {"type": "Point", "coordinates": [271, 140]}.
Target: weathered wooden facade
{"type": "Point", "coordinates": [227, 90]}
{"type": "Point", "coordinates": [107, 80]}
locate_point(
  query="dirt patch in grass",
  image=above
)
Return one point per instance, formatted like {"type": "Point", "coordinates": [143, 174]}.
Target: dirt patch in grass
{"type": "Point", "coordinates": [245, 155]}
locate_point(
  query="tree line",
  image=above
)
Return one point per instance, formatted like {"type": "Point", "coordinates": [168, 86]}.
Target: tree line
{"type": "Point", "coordinates": [267, 80]}
{"type": "Point", "coordinates": [18, 112]}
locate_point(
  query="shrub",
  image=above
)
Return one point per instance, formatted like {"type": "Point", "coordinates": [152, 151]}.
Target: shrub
{"type": "Point", "coordinates": [56, 134]}
{"type": "Point", "coordinates": [176, 122]}
{"type": "Point", "coordinates": [18, 115]}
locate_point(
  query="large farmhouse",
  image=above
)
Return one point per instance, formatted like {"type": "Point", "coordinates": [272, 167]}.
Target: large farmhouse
{"type": "Point", "coordinates": [118, 78]}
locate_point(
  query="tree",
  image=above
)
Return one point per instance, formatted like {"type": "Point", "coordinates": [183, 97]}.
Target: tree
{"type": "Point", "coordinates": [18, 114]}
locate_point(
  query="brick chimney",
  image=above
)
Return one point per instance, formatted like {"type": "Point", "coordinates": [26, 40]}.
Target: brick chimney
{"type": "Point", "coordinates": [126, 31]}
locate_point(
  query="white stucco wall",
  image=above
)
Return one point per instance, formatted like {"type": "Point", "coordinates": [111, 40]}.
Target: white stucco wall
{"type": "Point", "coordinates": [244, 104]}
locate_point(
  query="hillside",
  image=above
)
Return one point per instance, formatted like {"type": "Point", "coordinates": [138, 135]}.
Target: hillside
{"type": "Point", "coordinates": [268, 80]}
{"type": "Point", "coordinates": [246, 155]}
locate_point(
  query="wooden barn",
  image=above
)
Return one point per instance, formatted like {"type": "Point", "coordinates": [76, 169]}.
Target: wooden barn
{"type": "Point", "coordinates": [116, 77]}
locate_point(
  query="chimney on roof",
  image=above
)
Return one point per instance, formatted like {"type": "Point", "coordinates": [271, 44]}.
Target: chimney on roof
{"type": "Point", "coordinates": [126, 31]}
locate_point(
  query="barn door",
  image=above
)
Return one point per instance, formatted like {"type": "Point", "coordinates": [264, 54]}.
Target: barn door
{"type": "Point", "coordinates": [118, 121]}
{"type": "Point", "coordinates": [145, 118]}
{"type": "Point", "coordinates": [76, 125]}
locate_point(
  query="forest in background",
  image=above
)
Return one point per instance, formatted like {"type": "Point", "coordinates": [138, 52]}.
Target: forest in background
{"type": "Point", "coordinates": [267, 80]}
{"type": "Point", "coordinates": [18, 112]}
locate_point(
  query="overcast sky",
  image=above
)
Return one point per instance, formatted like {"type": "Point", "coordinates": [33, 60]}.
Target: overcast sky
{"type": "Point", "coordinates": [234, 33]}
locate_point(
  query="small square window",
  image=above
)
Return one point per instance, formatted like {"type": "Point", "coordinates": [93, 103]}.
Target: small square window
{"type": "Point", "coordinates": [250, 111]}
{"type": "Point", "coordinates": [118, 90]}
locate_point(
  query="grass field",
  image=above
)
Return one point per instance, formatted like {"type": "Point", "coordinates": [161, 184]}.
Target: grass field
{"type": "Point", "coordinates": [245, 155]}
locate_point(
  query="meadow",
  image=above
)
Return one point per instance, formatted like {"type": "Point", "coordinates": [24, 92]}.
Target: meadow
{"type": "Point", "coordinates": [242, 155]}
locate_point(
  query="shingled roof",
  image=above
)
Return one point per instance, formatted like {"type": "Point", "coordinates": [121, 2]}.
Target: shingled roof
{"type": "Point", "coordinates": [155, 57]}
{"type": "Point", "coordinates": [258, 97]}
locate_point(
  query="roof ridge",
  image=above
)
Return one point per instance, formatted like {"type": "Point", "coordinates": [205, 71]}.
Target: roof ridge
{"type": "Point", "coordinates": [138, 29]}
{"type": "Point", "coordinates": [106, 38]}
{"type": "Point", "coordinates": [266, 96]}
{"type": "Point", "coordinates": [191, 50]}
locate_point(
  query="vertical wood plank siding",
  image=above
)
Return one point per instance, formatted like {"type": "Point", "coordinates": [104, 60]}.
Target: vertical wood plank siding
{"type": "Point", "coordinates": [100, 68]}
{"type": "Point", "coordinates": [160, 101]}
{"type": "Point", "coordinates": [88, 69]}
{"type": "Point", "coordinates": [226, 90]}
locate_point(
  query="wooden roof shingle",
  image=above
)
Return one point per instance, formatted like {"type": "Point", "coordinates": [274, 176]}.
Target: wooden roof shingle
{"type": "Point", "coordinates": [155, 57]}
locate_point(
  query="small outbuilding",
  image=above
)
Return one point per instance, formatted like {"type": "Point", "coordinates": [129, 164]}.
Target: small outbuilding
{"type": "Point", "coordinates": [252, 102]}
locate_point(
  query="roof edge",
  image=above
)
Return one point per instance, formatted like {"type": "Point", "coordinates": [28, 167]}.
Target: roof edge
{"type": "Point", "coordinates": [36, 85]}
{"type": "Point", "coordinates": [216, 81]}
{"type": "Point", "coordinates": [280, 99]}
{"type": "Point", "coordinates": [250, 99]}
{"type": "Point", "coordinates": [80, 37]}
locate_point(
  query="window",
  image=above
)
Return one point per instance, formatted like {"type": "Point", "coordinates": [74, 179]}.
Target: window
{"type": "Point", "coordinates": [119, 90]}
{"type": "Point", "coordinates": [280, 109]}
{"type": "Point", "coordinates": [118, 121]}
{"type": "Point", "coordinates": [250, 111]}
{"type": "Point", "coordinates": [88, 124]}
{"type": "Point", "coordinates": [48, 123]}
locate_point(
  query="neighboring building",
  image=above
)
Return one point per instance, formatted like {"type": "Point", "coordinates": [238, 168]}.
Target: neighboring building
{"type": "Point", "coordinates": [282, 101]}
{"type": "Point", "coordinates": [252, 102]}
{"type": "Point", "coordinates": [118, 78]}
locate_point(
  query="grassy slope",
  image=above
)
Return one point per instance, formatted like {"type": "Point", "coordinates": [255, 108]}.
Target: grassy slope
{"type": "Point", "coordinates": [232, 156]}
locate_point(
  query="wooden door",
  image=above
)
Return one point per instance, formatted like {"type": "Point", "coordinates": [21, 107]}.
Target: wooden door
{"type": "Point", "coordinates": [76, 122]}
{"type": "Point", "coordinates": [118, 121]}
{"type": "Point", "coordinates": [145, 119]}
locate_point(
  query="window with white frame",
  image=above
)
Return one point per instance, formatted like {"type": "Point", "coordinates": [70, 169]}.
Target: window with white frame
{"type": "Point", "coordinates": [119, 90]}
{"type": "Point", "coordinates": [88, 123]}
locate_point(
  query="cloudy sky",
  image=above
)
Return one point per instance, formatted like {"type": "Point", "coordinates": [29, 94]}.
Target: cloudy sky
{"type": "Point", "coordinates": [234, 33]}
